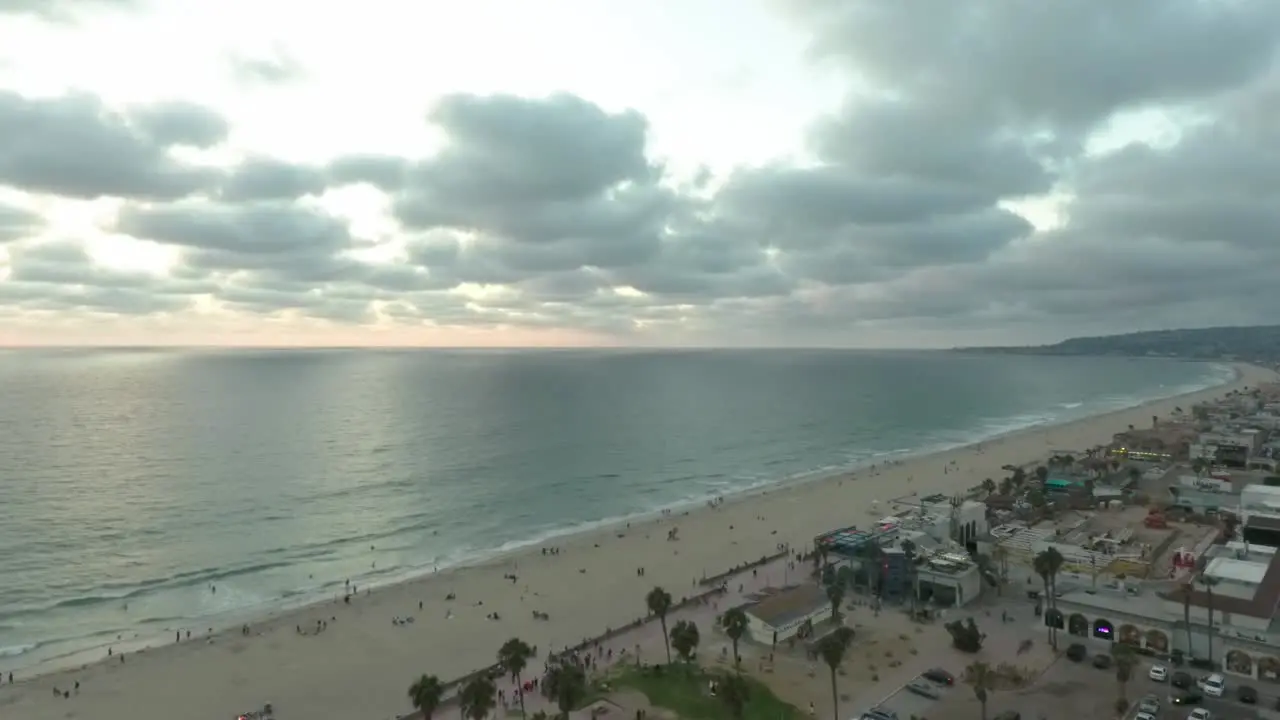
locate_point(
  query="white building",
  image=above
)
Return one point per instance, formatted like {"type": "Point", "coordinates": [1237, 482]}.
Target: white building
{"type": "Point", "coordinates": [780, 616]}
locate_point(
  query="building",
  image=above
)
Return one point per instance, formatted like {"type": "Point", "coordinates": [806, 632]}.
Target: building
{"type": "Point", "coordinates": [1260, 514]}
{"type": "Point", "coordinates": [1230, 447]}
{"type": "Point", "coordinates": [1162, 442]}
{"type": "Point", "coordinates": [948, 579]}
{"type": "Point", "coordinates": [1245, 634]}
{"type": "Point", "coordinates": [780, 614]}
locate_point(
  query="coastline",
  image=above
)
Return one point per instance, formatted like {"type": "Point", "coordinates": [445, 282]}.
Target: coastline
{"type": "Point", "coordinates": [218, 674]}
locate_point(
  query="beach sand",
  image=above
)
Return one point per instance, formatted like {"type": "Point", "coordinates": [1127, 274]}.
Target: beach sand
{"type": "Point", "coordinates": [361, 666]}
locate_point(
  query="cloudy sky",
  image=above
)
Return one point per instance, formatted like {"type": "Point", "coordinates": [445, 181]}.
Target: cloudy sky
{"type": "Point", "coordinates": [635, 172]}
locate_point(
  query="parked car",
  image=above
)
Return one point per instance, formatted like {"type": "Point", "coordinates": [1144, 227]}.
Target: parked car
{"type": "Point", "coordinates": [1159, 673]}
{"type": "Point", "coordinates": [1199, 714]}
{"type": "Point", "coordinates": [1181, 680]}
{"type": "Point", "coordinates": [924, 688]}
{"type": "Point", "coordinates": [1214, 685]}
{"type": "Point", "coordinates": [1188, 697]}
{"type": "Point", "coordinates": [940, 676]}
{"type": "Point", "coordinates": [1144, 716]}
{"type": "Point", "coordinates": [1247, 694]}
{"type": "Point", "coordinates": [1102, 662]}
{"type": "Point", "coordinates": [1076, 652]}
{"type": "Point", "coordinates": [1149, 704]}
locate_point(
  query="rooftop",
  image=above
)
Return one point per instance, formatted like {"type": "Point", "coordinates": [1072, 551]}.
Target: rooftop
{"type": "Point", "coordinates": [1261, 605]}
{"type": "Point", "coordinates": [787, 604]}
{"type": "Point", "coordinates": [1241, 571]}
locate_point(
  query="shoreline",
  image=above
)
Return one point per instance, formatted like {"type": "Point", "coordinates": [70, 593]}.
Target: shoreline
{"type": "Point", "coordinates": [276, 607]}
{"type": "Point", "coordinates": [623, 535]}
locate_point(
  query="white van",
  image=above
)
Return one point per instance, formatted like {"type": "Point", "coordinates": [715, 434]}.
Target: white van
{"type": "Point", "coordinates": [1214, 685]}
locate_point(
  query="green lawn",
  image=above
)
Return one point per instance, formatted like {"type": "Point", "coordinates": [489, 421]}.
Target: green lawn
{"type": "Point", "coordinates": [685, 692]}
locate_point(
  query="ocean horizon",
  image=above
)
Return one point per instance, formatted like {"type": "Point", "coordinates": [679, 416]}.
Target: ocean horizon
{"type": "Point", "coordinates": [134, 479]}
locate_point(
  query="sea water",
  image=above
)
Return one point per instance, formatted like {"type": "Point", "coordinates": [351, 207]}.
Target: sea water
{"type": "Point", "coordinates": [133, 482]}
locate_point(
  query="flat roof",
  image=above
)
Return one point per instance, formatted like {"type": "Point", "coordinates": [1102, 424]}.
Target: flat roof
{"type": "Point", "coordinates": [1261, 605]}
{"type": "Point", "coordinates": [789, 604]}
{"type": "Point", "coordinates": [1241, 571]}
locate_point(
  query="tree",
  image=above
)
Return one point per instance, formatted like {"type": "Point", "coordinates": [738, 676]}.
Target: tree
{"type": "Point", "coordinates": [566, 685]}
{"type": "Point", "coordinates": [659, 603]}
{"type": "Point", "coordinates": [1201, 465]}
{"type": "Point", "coordinates": [1000, 554]}
{"type": "Point", "coordinates": [476, 698]}
{"type": "Point", "coordinates": [513, 657]}
{"type": "Point", "coordinates": [832, 648]}
{"type": "Point", "coordinates": [734, 692]}
{"type": "Point", "coordinates": [735, 624]}
{"type": "Point", "coordinates": [980, 677]}
{"type": "Point", "coordinates": [835, 593]}
{"type": "Point", "coordinates": [1126, 660]}
{"type": "Point", "coordinates": [1036, 498]}
{"type": "Point", "coordinates": [913, 573]}
{"type": "Point", "coordinates": [1006, 486]}
{"type": "Point", "coordinates": [685, 639]}
{"type": "Point", "coordinates": [1208, 583]}
{"type": "Point", "coordinates": [425, 693]}
{"type": "Point", "coordinates": [989, 486]}
{"type": "Point", "coordinates": [1186, 615]}
{"type": "Point", "coordinates": [1042, 473]}
{"type": "Point", "coordinates": [965, 635]}
{"type": "Point", "coordinates": [1019, 477]}
{"type": "Point", "coordinates": [1135, 474]}
{"type": "Point", "coordinates": [1047, 564]}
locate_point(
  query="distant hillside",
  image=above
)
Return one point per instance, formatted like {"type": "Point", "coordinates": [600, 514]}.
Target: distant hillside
{"type": "Point", "coordinates": [1259, 343]}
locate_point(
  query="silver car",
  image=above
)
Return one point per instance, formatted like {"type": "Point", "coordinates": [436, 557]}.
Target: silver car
{"type": "Point", "coordinates": [925, 688]}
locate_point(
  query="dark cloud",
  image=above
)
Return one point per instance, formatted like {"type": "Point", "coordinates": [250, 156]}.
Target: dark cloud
{"type": "Point", "coordinates": [76, 147]}
{"type": "Point", "coordinates": [553, 212]}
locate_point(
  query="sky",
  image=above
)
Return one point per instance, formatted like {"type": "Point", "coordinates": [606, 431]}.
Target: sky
{"type": "Point", "coordinates": [835, 173]}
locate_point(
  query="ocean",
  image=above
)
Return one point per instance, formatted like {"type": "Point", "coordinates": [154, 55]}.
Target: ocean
{"type": "Point", "coordinates": [131, 481]}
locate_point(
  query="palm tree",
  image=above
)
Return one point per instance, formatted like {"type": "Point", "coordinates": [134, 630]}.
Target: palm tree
{"type": "Point", "coordinates": [1042, 473]}
{"type": "Point", "coordinates": [1047, 564]}
{"type": "Point", "coordinates": [1135, 474]}
{"type": "Point", "coordinates": [735, 624]}
{"type": "Point", "coordinates": [1126, 659]}
{"type": "Point", "coordinates": [1200, 465]}
{"type": "Point", "coordinates": [566, 684]}
{"type": "Point", "coordinates": [1019, 477]}
{"type": "Point", "coordinates": [1006, 486]}
{"type": "Point", "coordinates": [989, 486]}
{"type": "Point", "coordinates": [685, 638]}
{"type": "Point", "coordinates": [513, 657]}
{"type": "Point", "coordinates": [1208, 583]}
{"type": "Point", "coordinates": [832, 648]}
{"type": "Point", "coordinates": [476, 698]}
{"type": "Point", "coordinates": [981, 678]}
{"type": "Point", "coordinates": [835, 593]}
{"type": "Point", "coordinates": [1000, 554]}
{"type": "Point", "coordinates": [734, 692]}
{"type": "Point", "coordinates": [1186, 615]}
{"type": "Point", "coordinates": [909, 552]}
{"type": "Point", "coordinates": [425, 693]}
{"type": "Point", "coordinates": [659, 602]}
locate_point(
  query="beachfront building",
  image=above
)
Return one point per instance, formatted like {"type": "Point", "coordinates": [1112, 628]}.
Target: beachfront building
{"type": "Point", "coordinates": [779, 614]}
{"type": "Point", "coordinates": [1171, 441]}
{"type": "Point", "coordinates": [948, 579]}
{"type": "Point", "coordinates": [1245, 632]}
{"type": "Point", "coordinates": [1231, 447]}
{"type": "Point", "coordinates": [1260, 515]}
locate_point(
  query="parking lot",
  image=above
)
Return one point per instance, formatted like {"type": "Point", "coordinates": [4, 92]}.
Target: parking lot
{"type": "Point", "coordinates": [1072, 690]}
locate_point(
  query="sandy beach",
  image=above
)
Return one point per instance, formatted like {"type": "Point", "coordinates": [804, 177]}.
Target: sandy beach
{"type": "Point", "coordinates": [360, 665]}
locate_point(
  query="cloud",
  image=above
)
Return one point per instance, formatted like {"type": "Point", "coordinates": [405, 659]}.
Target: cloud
{"type": "Point", "coordinates": [60, 10]}
{"type": "Point", "coordinates": [17, 223]}
{"type": "Point", "coordinates": [275, 68]}
{"type": "Point", "coordinates": [909, 213]}
{"type": "Point", "coordinates": [76, 147]}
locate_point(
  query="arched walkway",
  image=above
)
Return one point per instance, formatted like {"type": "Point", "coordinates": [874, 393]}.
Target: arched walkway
{"type": "Point", "coordinates": [1130, 635]}
{"type": "Point", "coordinates": [1078, 624]}
{"type": "Point", "coordinates": [1239, 662]}
{"type": "Point", "coordinates": [1158, 641]}
{"type": "Point", "coordinates": [1103, 629]}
